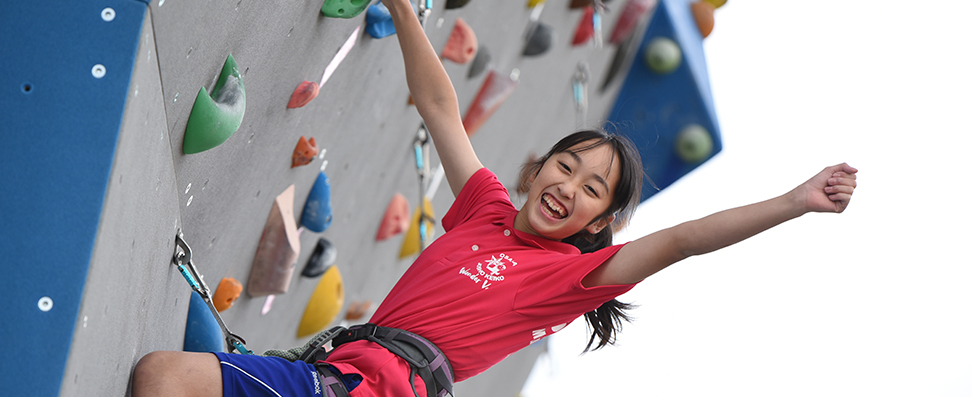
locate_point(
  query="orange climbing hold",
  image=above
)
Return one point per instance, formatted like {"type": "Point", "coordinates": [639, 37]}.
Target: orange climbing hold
{"type": "Point", "coordinates": [357, 310]}
{"type": "Point", "coordinates": [396, 219]}
{"type": "Point", "coordinates": [304, 93]}
{"type": "Point", "coordinates": [226, 293]}
{"type": "Point", "coordinates": [704, 13]}
{"type": "Point", "coordinates": [585, 29]}
{"type": "Point", "coordinates": [495, 90]}
{"type": "Point", "coordinates": [304, 152]}
{"type": "Point", "coordinates": [462, 44]}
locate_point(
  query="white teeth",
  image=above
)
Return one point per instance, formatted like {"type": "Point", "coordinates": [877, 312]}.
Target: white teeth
{"type": "Point", "coordinates": [553, 205]}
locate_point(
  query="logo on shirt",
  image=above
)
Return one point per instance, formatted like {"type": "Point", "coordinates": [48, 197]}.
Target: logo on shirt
{"type": "Point", "coordinates": [542, 332]}
{"type": "Point", "coordinates": [491, 272]}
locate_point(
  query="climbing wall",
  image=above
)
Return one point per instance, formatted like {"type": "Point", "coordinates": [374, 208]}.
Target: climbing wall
{"type": "Point", "coordinates": [96, 183]}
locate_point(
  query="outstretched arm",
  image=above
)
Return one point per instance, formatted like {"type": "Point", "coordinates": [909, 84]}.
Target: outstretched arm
{"type": "Point", "coordinates": [828, 191]}
{"type": "Point", "coordinates": [434, 96]}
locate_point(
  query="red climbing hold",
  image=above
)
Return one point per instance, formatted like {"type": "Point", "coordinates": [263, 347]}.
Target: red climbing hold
{"type": "Point", "coordinates": [462, 44]}
{"type": "Point", "coordinates": [634, 11]}
{"type": "Point", "coordinates": [304, 93]}
{"type": "Point", "coordinates": [304, 152]}
{"type": "Point", "coordinates": [396, 217]}
{"type": "Point", "coordinates": [495, 90]}
{"type": "Point", "coordinates": [585, 29]}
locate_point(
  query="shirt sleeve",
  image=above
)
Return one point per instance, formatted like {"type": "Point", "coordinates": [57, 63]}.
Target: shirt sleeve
{"type": "Point", "coordinates": [482, 196]}
{"type": "Point", "coordinates": [556, 289]}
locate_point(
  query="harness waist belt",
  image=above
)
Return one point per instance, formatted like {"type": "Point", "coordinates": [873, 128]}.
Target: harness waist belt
{"type": "Point", "coordinates": [424, 358]}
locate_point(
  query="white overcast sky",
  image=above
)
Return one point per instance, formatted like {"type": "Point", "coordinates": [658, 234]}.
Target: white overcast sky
{"type": "Point", "coordinates": [876, 301]}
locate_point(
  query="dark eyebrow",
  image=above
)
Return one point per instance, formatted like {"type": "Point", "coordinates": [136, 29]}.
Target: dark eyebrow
{"type": "Point", "coordinates": [596, 176]}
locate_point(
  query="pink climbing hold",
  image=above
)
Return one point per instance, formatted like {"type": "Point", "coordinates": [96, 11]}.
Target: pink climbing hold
{"type": "Point", "coordinates": [304, 153]}
{"type": "Point", "coordinates": [634, 11]}
{"type": "Point", "coordinates": [304, 93]}
{"type": "Point", "coordinates": [462, 44]}
{"type": "Point", "coordinates": [396, 218]}
{"type": "Point", "coordinates": [585, 29]}
{"type": "Point", "coordinates": [496, 88]}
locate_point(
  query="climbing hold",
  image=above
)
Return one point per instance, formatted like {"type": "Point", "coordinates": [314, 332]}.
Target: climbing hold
{"type": "Point", "coordinates": [339, 57]}
{"type": "Point", "coordinates": [693, 144]}
{"type": "Point", "coordinates": [379, 22]}
{"type": "Point", "coordinates": [534, 3]}
{"type": "Point", "coordinates": [277, 252]}
{"type": "Point", "coordinates": [704, 13]}
{"type": "Point", "coordinates": [413, 242]}
{"type": "Point", "coordinates": [453, 4]}
{"type": "Point", "coordinates": [343, 8]}
{"type": "Point", "coordinates": [491, 95]}
{"type": "Point", "coordinates": [320, 260]}
{"type": "Point", "coordinates": [462, 44]}
{"type": "Point", "coordinates": [304, 153]}
{"type": "Point", "coordinates": [480, 62]}
{"type": "Point", "coordinates": [585, 29]}
{"type": "Point", "coordinates": [203, 333]}
{"type": "Point", "coordinates": [324, 305]}
{"type": "Point", "coordinates": [716, 3]}
{"type": "Point", "coordinates": [621, 55]}
{"type": "Point", "coordinates": [634, 11]}
{"type": "Point", "coordinates": [581, 3]}
{"type": "Point", "coordinates": [663, 55]}
{"type": "Point", "coordinates": [540, 40]}
{"type": "Point", "coordinates": [317, 210]}
{"type": "Point", "coordinates": [395, 220]}
{"type": "Point", "coordinates": [226, 293]}
{"type": "Point", "coordinates": [357, 310]}
{"type": "Point", "coordinates": [214, 118]}
{"type": "Point", "coordinates": [304, 93]}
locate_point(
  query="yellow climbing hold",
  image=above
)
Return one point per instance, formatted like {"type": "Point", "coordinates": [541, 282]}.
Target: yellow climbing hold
{"type": "Point", "coordinates": [413, 242]}
{"type": "Point", "coordinates": [324, 304]}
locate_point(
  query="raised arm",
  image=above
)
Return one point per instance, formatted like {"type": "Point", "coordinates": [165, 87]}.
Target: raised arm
{"type": "Point", "coordinates": [434, 96]}
{"type": "Point", "coordinates": [828, 191]}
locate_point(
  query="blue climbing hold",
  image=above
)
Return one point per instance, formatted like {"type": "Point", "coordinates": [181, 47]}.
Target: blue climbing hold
{"type": "Point", "coordinates": [317, 210]}
{"type": "Point", "coordinates": [379, 22]}
{"type": "Point", "coordinates": [202, 331]}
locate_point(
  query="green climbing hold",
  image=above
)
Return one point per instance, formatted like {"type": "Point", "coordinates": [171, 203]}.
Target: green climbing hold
{"type": "Point", "coordinates": [214, 118]}
{"type": "Point", "coordinates": [343, 8]}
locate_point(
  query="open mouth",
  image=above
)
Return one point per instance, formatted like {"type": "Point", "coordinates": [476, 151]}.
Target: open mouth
{"type": "Point", "coordinates": [552, 208]}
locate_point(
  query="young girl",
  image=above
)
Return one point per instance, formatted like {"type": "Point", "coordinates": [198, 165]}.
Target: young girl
{"type": "Point", "coordinates": [500, 278]}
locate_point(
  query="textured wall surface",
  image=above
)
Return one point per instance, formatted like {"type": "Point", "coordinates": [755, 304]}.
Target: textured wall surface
{"type": "Point", "coordinates": [134, 300]}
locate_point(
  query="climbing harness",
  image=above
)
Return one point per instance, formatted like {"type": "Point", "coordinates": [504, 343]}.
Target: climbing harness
{"type": "Point", "coordinates": [423, 357]}
{"type": "Point", "coordinates": [182, 258]}
{"type": "Point", "coordinates": [580, 79]}
{"type": "Point", "coordinates": [421, 146]}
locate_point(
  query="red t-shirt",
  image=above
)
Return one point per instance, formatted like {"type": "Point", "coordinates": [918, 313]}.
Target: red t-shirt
{"type": "Point", "coordinates": [484, 290]}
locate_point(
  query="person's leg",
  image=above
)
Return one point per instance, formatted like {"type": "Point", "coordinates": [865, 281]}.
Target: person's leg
{"type": "Point", "coordinates": [172, 373]}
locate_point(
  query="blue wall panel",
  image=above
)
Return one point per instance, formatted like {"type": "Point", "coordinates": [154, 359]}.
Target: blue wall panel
{"type": "Point", "coordinates": [59, 122]}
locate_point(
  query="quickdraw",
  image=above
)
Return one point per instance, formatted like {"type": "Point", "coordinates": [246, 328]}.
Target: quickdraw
{"type": "Point", "coordinates": [422, 165]}
{"type": "Point", "coordinates": [581, 76]}
{"type": "Point", "coordinates": [182, 258]}
{"type": "Point", "coordinates": [424, 10]}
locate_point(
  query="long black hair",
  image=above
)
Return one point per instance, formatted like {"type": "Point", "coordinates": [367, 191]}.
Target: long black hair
{"type": "Point", "coordinates": [606, 320]}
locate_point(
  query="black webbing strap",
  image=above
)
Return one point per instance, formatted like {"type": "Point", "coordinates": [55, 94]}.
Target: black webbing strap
{"type": "Point", "coordinates": [330, 382]}
{"type": "Point", "coordinates": [423, 357]}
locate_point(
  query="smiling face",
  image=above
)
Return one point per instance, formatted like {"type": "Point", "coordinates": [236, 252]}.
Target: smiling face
{"type": "Point", "coordinates": [570, 191]}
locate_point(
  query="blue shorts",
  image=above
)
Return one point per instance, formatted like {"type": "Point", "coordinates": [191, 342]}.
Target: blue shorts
{"type": "Point", "coordinates": [247, 375]}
